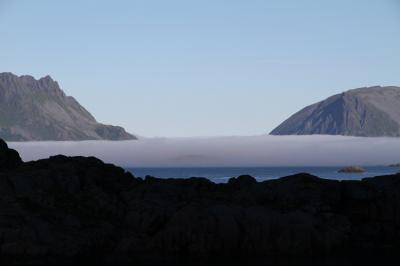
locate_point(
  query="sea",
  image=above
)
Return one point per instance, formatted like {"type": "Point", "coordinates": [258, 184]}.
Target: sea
{"type": "Point", "coordinates": [222, 174]}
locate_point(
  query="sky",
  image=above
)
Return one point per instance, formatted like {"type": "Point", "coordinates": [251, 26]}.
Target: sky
{"type": "Point", "coordinates": [183, 68]}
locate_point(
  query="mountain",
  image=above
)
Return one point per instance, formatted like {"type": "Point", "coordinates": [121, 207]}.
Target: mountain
{"type": "Point", "coordinates": [33, 109]}
{"type": "Point", "coordinates": [366, 112]}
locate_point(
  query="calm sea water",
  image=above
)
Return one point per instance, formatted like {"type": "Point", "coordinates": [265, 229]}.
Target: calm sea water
{"type": "Point", "coordinates": [222, 174]}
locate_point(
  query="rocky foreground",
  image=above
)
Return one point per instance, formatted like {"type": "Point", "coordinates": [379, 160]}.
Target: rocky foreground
{"type": "Point", "coordinates": [76, 208]}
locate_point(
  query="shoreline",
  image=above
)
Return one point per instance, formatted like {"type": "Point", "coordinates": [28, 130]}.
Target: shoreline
{"type": "Point", "coordinates": [81, 209]}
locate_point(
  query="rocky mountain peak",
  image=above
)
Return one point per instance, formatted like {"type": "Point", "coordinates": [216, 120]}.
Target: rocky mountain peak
{"type": "Point", "coordinates": [369, 112]}
{"type": "Point", "coordinates": [32, 109]}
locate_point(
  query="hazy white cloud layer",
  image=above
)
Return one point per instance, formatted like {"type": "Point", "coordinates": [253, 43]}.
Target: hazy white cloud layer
{"type": "Point", "coordinates": [226, 151]}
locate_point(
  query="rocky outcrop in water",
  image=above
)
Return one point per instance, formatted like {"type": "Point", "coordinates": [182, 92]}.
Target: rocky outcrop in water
{"type": "Point", "coordinates": [352, 169]}
{"type": "Point", "coordinates": [65, 208]}
{"type": "Point", "coordinates": [33, 109]}
{"type": "Point", "coordinates": [365, 112]}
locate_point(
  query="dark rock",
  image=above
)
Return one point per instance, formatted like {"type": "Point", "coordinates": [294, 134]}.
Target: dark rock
{"type": "Point", "coordinates": [9, 158]}
{"type": "Point", "coordinates": [83, 209]}
{"type": "Point", "coordinates": [242, 181]}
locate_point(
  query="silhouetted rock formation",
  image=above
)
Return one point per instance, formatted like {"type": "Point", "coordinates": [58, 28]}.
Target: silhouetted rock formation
{"type": "Point", "coordinates": [76, 207]}
{"type": "Point", "coordinates": [33, 109]}
{"type": "Point", "coordinates": [9, 158]}
{"type": "Point", "coordinates": [366, 112]}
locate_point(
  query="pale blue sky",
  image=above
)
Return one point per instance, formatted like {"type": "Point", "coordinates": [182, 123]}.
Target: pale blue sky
{"type": "Point", "coordinates": [202, 67]}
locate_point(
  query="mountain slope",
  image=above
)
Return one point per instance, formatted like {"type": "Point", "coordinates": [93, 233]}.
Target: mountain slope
{"type": "Point", "coordinates": [367, 112]}
{"type": "Point", "coordinates": [33, 109]}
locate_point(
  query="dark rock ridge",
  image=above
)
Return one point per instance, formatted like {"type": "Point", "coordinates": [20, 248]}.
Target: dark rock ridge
{"type": "Point", "coordinates": [81, 208]}
{"type": "Point", "coordinates": [33, 109]}
{"type": "Point", "coordinates": [366, 112]}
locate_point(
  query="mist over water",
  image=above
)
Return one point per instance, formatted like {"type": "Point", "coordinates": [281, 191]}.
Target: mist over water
{"type": "Point", "coordinates": [225, 151]}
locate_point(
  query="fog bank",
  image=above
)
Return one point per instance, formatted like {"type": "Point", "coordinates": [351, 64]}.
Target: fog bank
{"type": "Point", "coordinates": [226, 151]}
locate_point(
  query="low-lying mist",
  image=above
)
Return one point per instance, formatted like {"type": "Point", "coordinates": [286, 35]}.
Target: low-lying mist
{"type": "Point", "coordinates": [226, 151]}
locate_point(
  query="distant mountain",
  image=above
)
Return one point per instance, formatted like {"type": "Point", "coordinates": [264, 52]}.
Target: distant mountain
{"type": "Point", "coordinates": [33, 109]}
{"type": "Point", "coordinates": [367, 112]}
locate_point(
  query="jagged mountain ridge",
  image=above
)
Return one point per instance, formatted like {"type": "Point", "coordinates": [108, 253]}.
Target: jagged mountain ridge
{"type": "Point", "coordinates": [33, 109]}
{"type": "Point", "coordinates": [367, 112]}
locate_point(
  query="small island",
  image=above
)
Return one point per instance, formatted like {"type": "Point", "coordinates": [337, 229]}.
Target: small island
{"type": "Point", "coordinates": [394, 165]}
{"type": "Point", "coordinates": [352, 169]}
